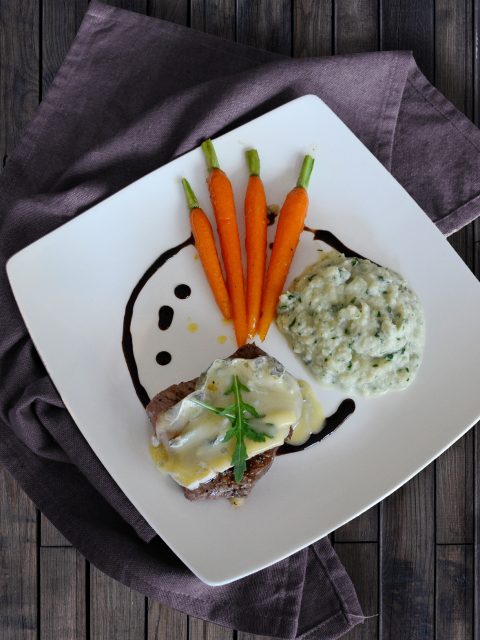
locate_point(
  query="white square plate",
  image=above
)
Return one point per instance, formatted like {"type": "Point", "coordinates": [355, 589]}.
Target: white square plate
{"type": "Point", "coordinates": [72, 287]}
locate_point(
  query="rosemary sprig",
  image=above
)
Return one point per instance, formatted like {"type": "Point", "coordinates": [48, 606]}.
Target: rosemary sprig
{"type": "Point", "coordinates": [239, 413]}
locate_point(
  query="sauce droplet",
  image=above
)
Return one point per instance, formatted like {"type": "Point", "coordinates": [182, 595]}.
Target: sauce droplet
{"type": "Point", "coordinates": [272, 213]}
{"type": "Point", "coordinates": [221, 339]}
{"type": "Point", "coordinates": [165, 317]}
{"type": "Point", "coordinates": [182, 291]}
{"type": "Point", "coordinates": [192, 327]}
{"type": "Point", "coordinates": [163, 358]}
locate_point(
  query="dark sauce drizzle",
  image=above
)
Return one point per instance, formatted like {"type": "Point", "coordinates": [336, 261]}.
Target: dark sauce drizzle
{"type": "Point", "coordinates": [345, 409]}
{"type": "Point", "coordinates": [271, 217]}
{"type": "Point", "coordinates": [127, 342]}
{"type": "Point", "coordinates": [182, 291]}
{"type": "Point", "coordinates": [165, 317]}
{"type": "Point", "coordinates": [333, 241]}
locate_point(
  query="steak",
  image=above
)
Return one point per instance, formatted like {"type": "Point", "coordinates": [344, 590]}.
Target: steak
{"type": "Point", "coordinates": [223, 485]}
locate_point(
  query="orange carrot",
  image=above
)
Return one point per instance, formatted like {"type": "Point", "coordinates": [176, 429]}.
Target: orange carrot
{"type": "Point", "coordinates": [255, 239]}
{"type": "Point", "coordinates": [290, 225]}
{"type": "Point", "coordinates": [207, 251]}
{"type": "Point", "coordinates": [221, 195]}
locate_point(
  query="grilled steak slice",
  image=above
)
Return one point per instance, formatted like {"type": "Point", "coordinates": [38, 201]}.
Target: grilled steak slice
{"type": "Point", "coordinates": [223, 485]}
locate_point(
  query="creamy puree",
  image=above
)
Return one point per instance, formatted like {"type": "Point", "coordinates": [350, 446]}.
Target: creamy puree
{"type": "Point", "coordinates": [188, 442]}
{"type": "Point", "coordinates": [356, 325]}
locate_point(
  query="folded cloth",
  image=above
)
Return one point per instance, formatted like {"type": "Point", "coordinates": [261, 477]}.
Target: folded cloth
{"type": "Point", "coordinates": [133, 93]}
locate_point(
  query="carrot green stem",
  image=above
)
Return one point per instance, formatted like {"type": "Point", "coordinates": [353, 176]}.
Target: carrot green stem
{"type": "Point", "coordinates": [190, 195]}
{"type": "Point", "coordinates": [305, 172]}
{"type": "Point", "coordinates": [253, 162]}
{"type": "Point", "coordinates": [210, 155]}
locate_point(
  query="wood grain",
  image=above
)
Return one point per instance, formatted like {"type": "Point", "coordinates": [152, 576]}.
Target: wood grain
{"type": "Point", "coordinates": [356, 26]}
{"type": "Point", "coordinates": [171, 10]}
{"type": "Point", "coordinates": [408, 560]}
{"type": "Point", "coordinates": [453, 52]}
{"type": "Point", "coordinates": [454, 597]}
{"type": "Point", "coordinates": [116, 612]}
{"type": "Point", "coordinates": [62, 594]}
{"type": "Point", "coordinates": [361, 529]}
{"type": "Point", "coordinates": [408, 24]}
{"type": "Point", "coordinates": [201, 630]}
{"type": "Point", "coordinates": [140, 6]}
{"type": "Point", "coordinates": [19, 94]}
{"type": "Point", "coordinates": [265, 24]}
{"type": "Point", "coordinates": [18, 562]}
{"type": "Point", "coordinates": [19, 69]}
{"type": "Point", "coordinates": [216, 17]}
{"type": "Point", "coordinates": [60, 22]}
{"type": "Point", "coordinates": [50, 536]}
{"type": "Point", "coordinates": [312, 28]}
{"type": "Point", "coordinates": [165, 623]}
{"type": "Point", "coordinates": [361, 563]}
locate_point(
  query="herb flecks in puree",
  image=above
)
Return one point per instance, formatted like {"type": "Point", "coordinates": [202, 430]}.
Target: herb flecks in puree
{"type": "Point", "coordinates": [355, 324]}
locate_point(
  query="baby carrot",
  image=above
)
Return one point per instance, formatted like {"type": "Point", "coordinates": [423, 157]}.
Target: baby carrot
{"type": "Point", "coordinates": [207, 251]}
{"type": "Point", "coordinates": [255, 239]}
{"type": "Point", "coordinates": [221, 195]}
{"type": "Point", "coordinates": [290, 225]}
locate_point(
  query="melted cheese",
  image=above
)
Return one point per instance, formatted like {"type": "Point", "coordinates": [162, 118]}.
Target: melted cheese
{"type": "Point", "coordinates": [188, 442]}
{"type": "Point", "coordinates": [312, 419]}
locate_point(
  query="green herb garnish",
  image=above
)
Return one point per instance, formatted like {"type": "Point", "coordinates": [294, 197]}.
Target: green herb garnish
{"type": "Point", "coordinates": [239, 414]}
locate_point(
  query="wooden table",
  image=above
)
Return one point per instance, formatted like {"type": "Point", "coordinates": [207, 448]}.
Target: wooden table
{"type": "Point", "coordinates": [414, 558]}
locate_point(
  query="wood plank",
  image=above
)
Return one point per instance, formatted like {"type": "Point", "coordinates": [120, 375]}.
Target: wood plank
{"type": "Point", "coordinates": [171, 10]}
{"type": "Point", "coordinates": [165, 623]}
{"type": "Point", "coordinates": [50, 536]}
{"type": "Point", "coordinates": [265, 24]}
{"type": "Point", "coordinates": [216, 17]}
{"type": "Point", "coordinates": [19, 69]}
{"type": "Point", "coordinates": [140, 6]}
{"type": "Point", "coordinates": [455, 468]}
{"type": "Point", "coordinates": [356, 26]}
{"type": "Point", "coordinates": [62, 594]}
{"type": "Point", "coordinates": [312, 28]}
{"type": "Point", "coordinates": [116, 612]}
{"type": "Point", "coordinates": [454, 491]}
{"type": "Point", "coordinates": [60, 22]}
{"type": "Point", "coordinates": [407, 559]}
{"type": "Point", "coordinates": [408, 24]}
{"type": "Point", "coordinates": [453, 52]}
{"type": "Point", "coordinates": [454, 594]}
{"type": "Point", "coordinates": [361, 529]}
{"type": "Point", "coordinates": [453, 76]}
{"type": "Point", "coordinates": [201, 630]}
{"type": "Point", "coordinates": [361, 562]}
{"type": "Point", "coordinates": [18, 562]}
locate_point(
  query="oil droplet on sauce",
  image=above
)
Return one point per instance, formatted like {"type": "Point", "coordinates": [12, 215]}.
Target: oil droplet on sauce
{"type": "Point", "coordinates": [221, 339]}
{"type": "Point", "coordinates": [192, 327]}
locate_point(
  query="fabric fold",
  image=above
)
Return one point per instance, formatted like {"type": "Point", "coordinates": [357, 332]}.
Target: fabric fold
{"type": "Point", "coordinates": [133, 93]}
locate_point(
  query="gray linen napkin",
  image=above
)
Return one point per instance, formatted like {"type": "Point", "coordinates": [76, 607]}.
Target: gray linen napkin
{"type": "Point", "coordinates": [133, 93]}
